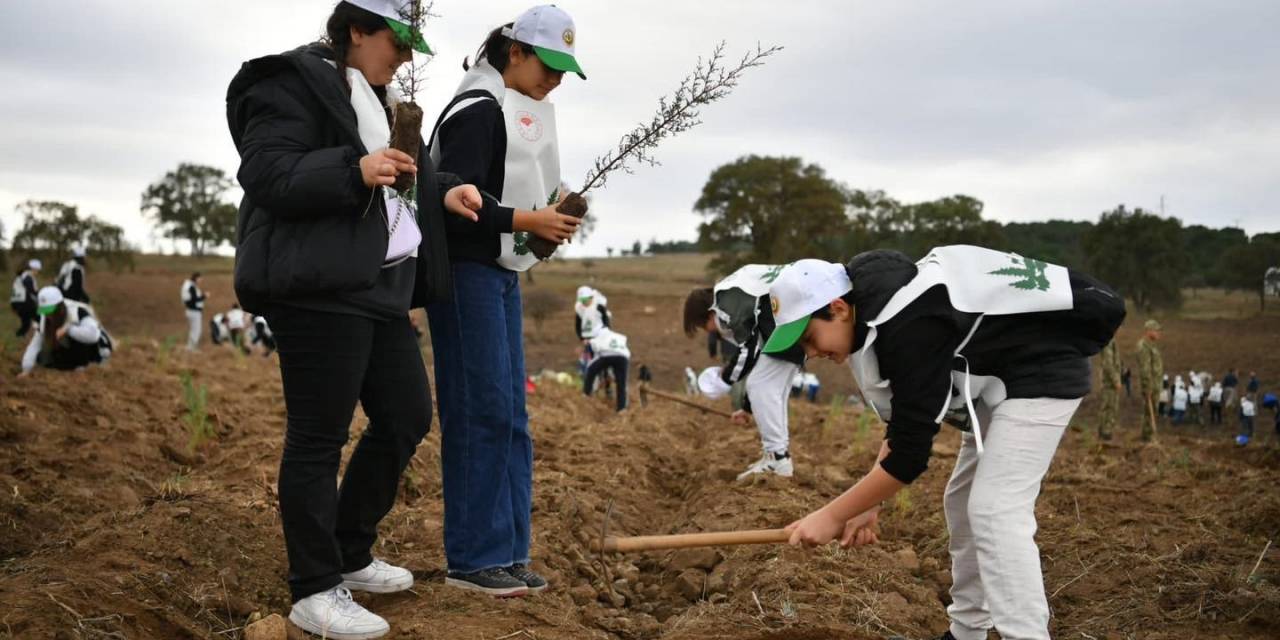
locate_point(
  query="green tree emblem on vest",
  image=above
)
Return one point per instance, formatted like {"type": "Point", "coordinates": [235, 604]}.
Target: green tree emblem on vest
{"type": "Point", "coordinates": [520, 244]}
{"type": "Point", "coordinates": [1031, 272]}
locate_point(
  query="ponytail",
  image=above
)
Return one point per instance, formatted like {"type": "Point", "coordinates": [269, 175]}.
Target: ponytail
{"type": "Point", "coordinates": [496, 50]}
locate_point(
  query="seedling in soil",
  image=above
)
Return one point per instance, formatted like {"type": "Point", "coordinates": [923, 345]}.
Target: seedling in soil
{"type": "Point", "coordinates": [902, 502]}
{"type": "Point", "coordinates": [173, 488]}
{"type": "Point", "coordinates": [166, 348]}
{"type": "Point", "coordinates": [864, 424]}
{"type": "Point", "coordinates": [199, 428]}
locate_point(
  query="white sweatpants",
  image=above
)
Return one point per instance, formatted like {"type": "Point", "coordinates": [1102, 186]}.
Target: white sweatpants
{"type": "Point", "coordinates": [195, 324]}
{"type": "Point", "coordinates": [990, 506]}
{"type": "Point", "coordinates": [768, 387]}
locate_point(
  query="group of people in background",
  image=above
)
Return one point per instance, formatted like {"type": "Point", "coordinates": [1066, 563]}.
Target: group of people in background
{"type": "Point", "coordinates": [235, 327]}
{"type": "Point", "coordinates": [1197, 398]}
{"type": "Point", "coordinates": [67, 333]}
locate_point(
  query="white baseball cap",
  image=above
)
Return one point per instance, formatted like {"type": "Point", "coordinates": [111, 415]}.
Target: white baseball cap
{"type": "Point", "coordinates": [77, 251]}
{"type": "Point", "coordinates": [47, 300]}
{"type": "Point", "coordinates": [549, 30]}
{"type": "Point", "coordinates": [585, 293]}
{"type": "Point", "coordinates": [394, 12]}
{"type": "Point", "coordinates": [803, 287]}
{"type": "Point", "coordinates": [34, 264]}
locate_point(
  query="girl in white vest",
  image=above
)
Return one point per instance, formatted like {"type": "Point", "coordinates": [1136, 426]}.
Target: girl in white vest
{"type": "Point", "coordinates": [608, 350]}
{"type": "Point", "coordinates": [993, 341]}
{"type": "Point", "coordinates": [499, 133]}
{"type": "Point", "coordinates": [67, 336]}
{"type": "Point", "coordinates": [71, 276]}
{"type": "Point", "coordinates": [193, 301]}
{"type": "Point", "coordinates": [23, 299]}
{"type": "Point", "coordinates": [591, 312]}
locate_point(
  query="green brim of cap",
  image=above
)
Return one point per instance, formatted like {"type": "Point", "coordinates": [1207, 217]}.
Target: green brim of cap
{"type": "Point", "coordinates": [406, 33]}
{"type": "Point", "coordinates": [559, 60]}
{"type": "Point", "coordinates": [48, 309]}
{"type": "Point", "coordinates": [785, 337]}
{"type": "Point", "coordinates": [584, 300]}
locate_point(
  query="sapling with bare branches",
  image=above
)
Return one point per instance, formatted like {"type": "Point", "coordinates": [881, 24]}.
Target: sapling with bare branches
{"type": "Point", "coordinates": [406, 130]}
{"type": "Point", "coordinates": [711, 80]}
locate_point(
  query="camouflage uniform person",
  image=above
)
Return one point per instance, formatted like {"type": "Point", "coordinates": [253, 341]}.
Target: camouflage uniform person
{"type": "Point", "coordinates": [1110, 390]}
{"type": "Point", "coordinates": [1150, 375]}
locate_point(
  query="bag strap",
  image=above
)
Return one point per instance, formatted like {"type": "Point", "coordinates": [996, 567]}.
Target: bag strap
{"type": "Point", "coordinates": [465, 95]}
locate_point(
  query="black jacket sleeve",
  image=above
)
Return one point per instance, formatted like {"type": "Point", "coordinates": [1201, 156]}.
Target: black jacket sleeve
{"type": "Point", "coordinates": [604, 314]}
{"type": "Point", "coordinates": [29, 283]}
{"type": "Point", "coordinates": [577, 325]}
{"type": "Point", "coordinates": [469, 147]}
{"type": "Point", "coordinates": [280, 168]}
{"type": "Point", "coordinates": [916, 359]}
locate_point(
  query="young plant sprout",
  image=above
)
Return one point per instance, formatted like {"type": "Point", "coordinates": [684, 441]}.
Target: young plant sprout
{"type": "Point", "coordinates": [406, 131]}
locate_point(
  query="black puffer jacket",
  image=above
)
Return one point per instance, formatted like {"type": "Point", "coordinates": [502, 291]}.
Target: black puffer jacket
{"type": "Point", "coordinates": [1035, 355]}
{"type": "Point", "coordinates": [308, 225]}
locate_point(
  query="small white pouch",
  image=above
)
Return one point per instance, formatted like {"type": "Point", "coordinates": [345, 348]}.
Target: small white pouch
{"type": "Point", "coordinates": [403, 234]}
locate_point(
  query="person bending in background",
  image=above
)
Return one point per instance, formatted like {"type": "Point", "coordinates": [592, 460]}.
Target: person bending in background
{"type": "Point", "coordinates": [608, 350]}
{"type": "Point", "coordinates": [67, 337]}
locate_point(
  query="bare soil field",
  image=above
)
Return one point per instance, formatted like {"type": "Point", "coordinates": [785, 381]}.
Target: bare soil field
{"type": "Point", "coordinates": [111, 526]}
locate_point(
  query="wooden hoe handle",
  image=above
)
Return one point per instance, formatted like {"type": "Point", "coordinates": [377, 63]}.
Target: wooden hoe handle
{"type": "Point", "coordinates": [613, 544]}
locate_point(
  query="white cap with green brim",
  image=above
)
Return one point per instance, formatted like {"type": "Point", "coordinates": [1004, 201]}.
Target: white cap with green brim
{"type": "Point", "coordinates": [549, 30]}
{"type": "Point", "coordinates": [48, 299]}
{"type": "Point", "coordinates": [803, 287]}
{"type": "Point", "coordinates": [395, 12]}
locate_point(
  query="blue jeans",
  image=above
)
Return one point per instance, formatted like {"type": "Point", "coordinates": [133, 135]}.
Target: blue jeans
{"type": "Point", "coordinates": [485, 449]}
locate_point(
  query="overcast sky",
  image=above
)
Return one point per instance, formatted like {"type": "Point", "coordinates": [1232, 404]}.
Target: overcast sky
{"type": "Point", "coordinates": [1040, 108]}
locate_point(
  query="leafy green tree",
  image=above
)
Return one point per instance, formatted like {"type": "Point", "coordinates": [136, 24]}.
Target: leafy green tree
{"type": "Point", "coordinates": [769, 210]}
{"type": "Point", "coordinates": [188, 204]}
{"type": "Point", "coordinates": [50, 229]}
{"type": "Point", "coordinates": [1140, 254]}
{"type": "Point", "coordinates": [1244, 267]}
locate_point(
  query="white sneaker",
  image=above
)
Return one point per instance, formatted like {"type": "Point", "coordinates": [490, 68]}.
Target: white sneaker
{"type": "Point", "coordinates": [769, 463]}
{"type": "Point", "coordinates": [378, 577]}
{"type": "Point", "coordinates": [333, 614]}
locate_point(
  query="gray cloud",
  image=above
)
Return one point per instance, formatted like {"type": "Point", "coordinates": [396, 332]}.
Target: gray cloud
{"type": "Point", "coordinates": [1041, 109]}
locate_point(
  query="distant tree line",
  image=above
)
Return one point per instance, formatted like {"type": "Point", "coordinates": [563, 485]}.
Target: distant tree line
{"type": "Point", "coordinates": [761, 209]}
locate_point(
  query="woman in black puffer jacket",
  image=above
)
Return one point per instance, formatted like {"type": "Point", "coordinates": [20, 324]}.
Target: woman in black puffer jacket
{"type": "Point", "coordinates": [313, 256]}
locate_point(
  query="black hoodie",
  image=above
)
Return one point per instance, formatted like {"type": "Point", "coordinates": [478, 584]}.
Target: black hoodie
{"type": "Point", "coordinates": [1035, 355]}
{"type": "Point", "coordinates": [309, 232]}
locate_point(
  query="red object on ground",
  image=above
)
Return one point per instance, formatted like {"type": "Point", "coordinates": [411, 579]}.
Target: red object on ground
{"type": "Point", "coordinates": [529, 386]}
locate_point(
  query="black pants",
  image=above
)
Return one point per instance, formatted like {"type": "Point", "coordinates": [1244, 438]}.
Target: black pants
{"type": "Point", "coordinates": [26, 316]}
{"type": "Point", "coordinates": [68, 355]}
{"type": "Point", "coordinates": [1215, 413]}
{"type": "Point", "coordinates": [619, 366]}
{"type": "Point", "coordinates": [329, 361]}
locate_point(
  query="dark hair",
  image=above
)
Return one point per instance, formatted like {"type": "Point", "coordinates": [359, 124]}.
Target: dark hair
{"type": "Point", "coordinates": [337, 32]}
{"type": "Point", "coordinates": [696, 307]}
{"type": "Point", "coordinates": [195, 275]}
{"type": "Point", "coordinates": [52, 323]}
{"type": "Point", "coordinates": [496, 50]}
{"type": "Point", "coordinates": [825, 312]}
